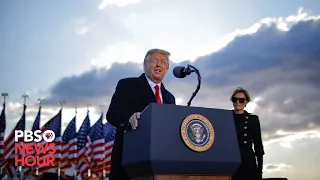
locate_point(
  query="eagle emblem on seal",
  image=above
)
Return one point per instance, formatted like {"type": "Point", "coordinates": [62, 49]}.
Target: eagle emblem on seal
{"type": "Point", "coordinates": [197, 132]}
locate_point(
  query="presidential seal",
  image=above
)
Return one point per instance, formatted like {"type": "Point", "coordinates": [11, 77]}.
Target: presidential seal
{"type": "Point", "coordinates": [197, 132]}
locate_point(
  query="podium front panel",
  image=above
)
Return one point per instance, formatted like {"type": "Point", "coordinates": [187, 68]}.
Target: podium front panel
{"type": "Point", "coordinates": [156, 147]}
{"type": "Point", "coordinates": [170, 154]}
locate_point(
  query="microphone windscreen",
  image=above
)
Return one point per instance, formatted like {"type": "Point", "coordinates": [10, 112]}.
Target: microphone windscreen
{"type": "Point", "coordinates": [178, 72]}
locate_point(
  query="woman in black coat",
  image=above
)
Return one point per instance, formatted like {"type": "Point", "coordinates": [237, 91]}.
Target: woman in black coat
{"type": "Point", "coordinates": [248, 133]}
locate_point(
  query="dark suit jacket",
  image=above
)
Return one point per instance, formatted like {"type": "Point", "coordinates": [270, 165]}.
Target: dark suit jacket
{"type": "Point", "coordinates": [249, 133]}
{"type": "Point", "coordinates": [131, 95]}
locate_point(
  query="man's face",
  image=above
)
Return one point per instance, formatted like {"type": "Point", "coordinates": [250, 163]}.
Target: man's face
{"type": "Point", "coordinates": [156, 67]}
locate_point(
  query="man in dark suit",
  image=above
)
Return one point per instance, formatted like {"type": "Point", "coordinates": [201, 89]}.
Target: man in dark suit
{"type": "Point", "coordinates": [133, 95]}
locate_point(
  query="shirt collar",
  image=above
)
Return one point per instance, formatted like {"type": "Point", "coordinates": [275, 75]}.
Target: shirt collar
{"type": "Point", "coordinates": [152, 84]}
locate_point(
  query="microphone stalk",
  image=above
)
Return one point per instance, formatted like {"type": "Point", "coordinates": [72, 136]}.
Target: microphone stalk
{"type": "Point", "coordinates": [199, 83]}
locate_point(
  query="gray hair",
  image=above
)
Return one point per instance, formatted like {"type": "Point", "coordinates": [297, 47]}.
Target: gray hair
{"type": "Point", "coordinates": [161, 51]}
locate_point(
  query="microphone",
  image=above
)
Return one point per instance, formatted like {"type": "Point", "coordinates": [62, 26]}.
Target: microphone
{"type": "Point", "coordinates": [182, 72]}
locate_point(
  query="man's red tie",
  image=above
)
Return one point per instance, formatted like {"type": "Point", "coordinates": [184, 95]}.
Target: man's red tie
{"type": "Point", "coordinates": [157, 94]}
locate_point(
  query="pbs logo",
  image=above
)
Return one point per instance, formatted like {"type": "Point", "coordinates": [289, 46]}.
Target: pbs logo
{"type": "Point", "coordinates": [49, 136]}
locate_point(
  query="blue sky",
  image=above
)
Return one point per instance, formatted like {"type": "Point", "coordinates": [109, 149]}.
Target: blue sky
{"type": "Point", "coordinates": [77, 50]}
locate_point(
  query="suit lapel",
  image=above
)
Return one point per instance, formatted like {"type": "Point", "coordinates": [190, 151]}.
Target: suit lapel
{"type": "Point", "coordinates": [165, 96]}
{"type": "Point", "coordinates": [149, 96]}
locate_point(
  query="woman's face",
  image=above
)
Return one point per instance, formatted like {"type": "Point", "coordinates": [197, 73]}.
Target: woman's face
{"type": "Point", "coordinates": [239, 101]}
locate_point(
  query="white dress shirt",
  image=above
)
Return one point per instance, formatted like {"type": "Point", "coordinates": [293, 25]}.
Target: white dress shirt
{"type": "Point", "coordinates": [152, 85]}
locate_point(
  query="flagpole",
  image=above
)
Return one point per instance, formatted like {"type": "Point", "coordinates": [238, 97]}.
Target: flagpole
{"type": "Point", "coordinates": [25, 97]}
{"type": "Point", "coordinates": [88, 107]}
{"type": "Point", "coordinates": [39, 101]}
{"type": "Point", "coordinates": [75, 172]}
{"type": "Point", "coordinates": [4, 95]}
{"type": "Point", "coordinates": [19, 172]}
{"type": "Point", "coordinates": [75, 109]}
{"type": "Point", "coordinates": [102, 107]}
{"type": "Point", "coordinates": [75, 169]}
{"type": "Point", "coordinates": [59, 170]}
{"type": "Point", "coordinates": [89, 163]}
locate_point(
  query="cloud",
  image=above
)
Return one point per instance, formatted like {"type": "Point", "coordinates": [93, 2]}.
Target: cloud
{"type": "Point", "coordinates": [276, 59]}
{"type": "Point", "coordinates": [91, 87]}
{"type": "Point", "coordinates": [279, 67]}
{"type": "Point", "coordinates": [110, 54]}
{"type": "Point", "coordinates": [277, 167]}
{"type": "Point", "coordinates": [83, 26]}
{"type": "Point", "coordinates": [293, 156]}
{"type": "Point", "coordinates": [119, 3]}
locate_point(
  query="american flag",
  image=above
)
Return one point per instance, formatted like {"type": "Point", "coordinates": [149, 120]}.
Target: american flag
{"type": "Point", "coordinates": [9, 154]}
{"type": "Point", "coordinates": [69, 148]}
{"type": "Point", "coordinates": [109, 132]}
{"type": "Point", "coordinates": [97, 139]}
{"type": "Point", "coordinates": [33, 170]}
{"type": "Point", "coordinates": [2, 131]}
{"type": "Point", "coordinates": [36, 123]}
{"type": "Point", "coordinates": [53, 124]}
{"type": "Point", "coordinates": [84, 147]}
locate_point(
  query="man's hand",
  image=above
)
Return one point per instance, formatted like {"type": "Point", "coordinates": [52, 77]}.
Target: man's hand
{"type": "Point", "coordinates": [133, 120]}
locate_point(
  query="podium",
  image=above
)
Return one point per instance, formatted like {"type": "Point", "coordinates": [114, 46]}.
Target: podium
{"type": "Point", "coordinates": [175, 142]}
